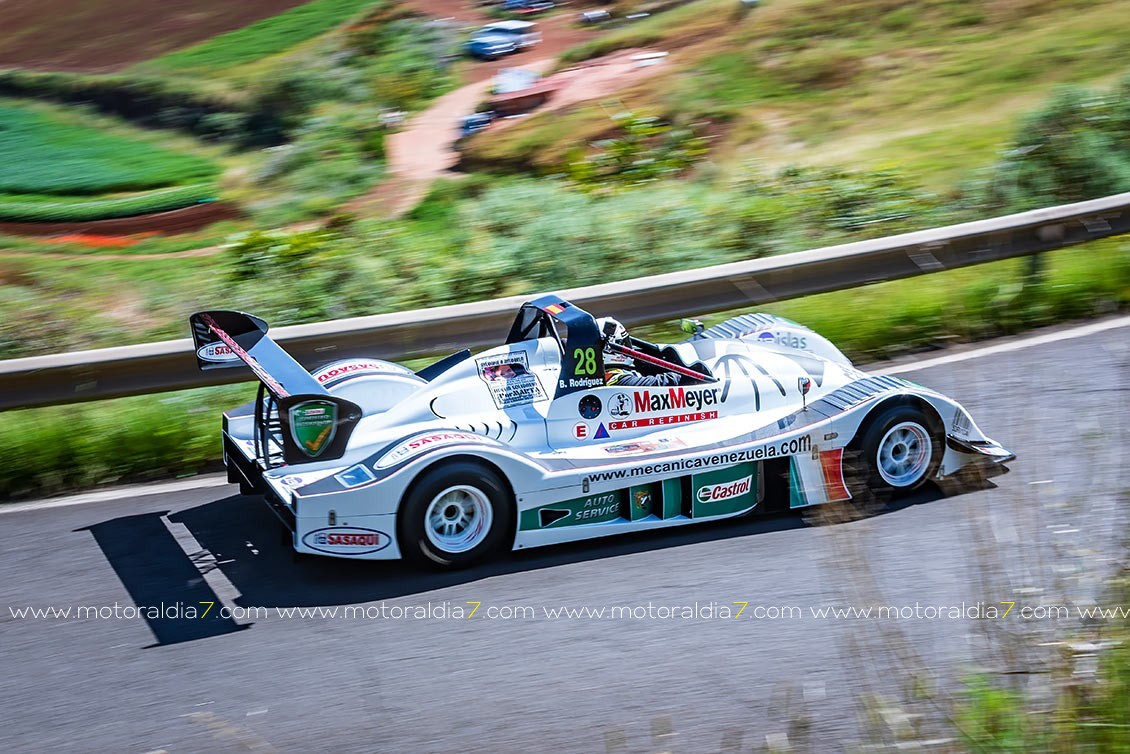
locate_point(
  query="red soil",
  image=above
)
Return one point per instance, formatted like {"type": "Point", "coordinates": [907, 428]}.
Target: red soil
{"type": "Point", "coordinates": [177, 221]}
{"type": "Point", "coordinates": [105, 35]}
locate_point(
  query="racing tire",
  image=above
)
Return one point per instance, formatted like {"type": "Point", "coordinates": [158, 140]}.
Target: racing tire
{"type": "Point", "coordinates": [454, 515]}
{"type": "Point", "coordinates": [897, 451]}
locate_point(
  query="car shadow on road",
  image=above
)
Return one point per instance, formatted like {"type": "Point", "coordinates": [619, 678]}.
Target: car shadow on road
{"type": "Point", "coordinates": [245, 539]}
{"type": "Point", "coordinates": [164, 581]}
{"type": "Point", "coordinates": [241, 538]}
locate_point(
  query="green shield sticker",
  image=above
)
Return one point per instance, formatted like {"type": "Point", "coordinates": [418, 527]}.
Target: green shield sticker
{"type": "Point", "coordinates": [312, 426]}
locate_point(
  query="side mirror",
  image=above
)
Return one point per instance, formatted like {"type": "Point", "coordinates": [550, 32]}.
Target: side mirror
{"type": "Point", "coordinates": [804, 385]}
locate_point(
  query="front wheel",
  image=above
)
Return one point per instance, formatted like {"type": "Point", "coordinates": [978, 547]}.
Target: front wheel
{"type": "Point", "coordinates": [898, 451]}
{"type": "Point", "coordinates": [454, 515]}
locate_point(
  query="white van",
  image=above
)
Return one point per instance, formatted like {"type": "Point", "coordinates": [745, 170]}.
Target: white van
{"type": "Point", "coordinates": [524, 33]}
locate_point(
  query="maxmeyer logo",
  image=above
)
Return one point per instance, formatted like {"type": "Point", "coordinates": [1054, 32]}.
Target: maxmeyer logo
{"type": "Point", "coordinates": [675, 399]}
{"type": "Point", "coordinates": [346, 540]}
{"type": "Point", "coordinates": [716, 492]}
{"type": "Point", "coordinates": [217, 352]}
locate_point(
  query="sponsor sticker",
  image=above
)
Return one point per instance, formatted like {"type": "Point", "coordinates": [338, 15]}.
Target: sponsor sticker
{"type": "Point", "coordinates": [783, 338]}
{"type": "Point", "coordinates": [346, 540]}
{"type": "Point", "coordinates": [620, 406]}
{"type": "Point", "coordinates": [313, 425]}
{"type": "Point", "coordinates": [962, 424]}
{"type": "Point", "coordinates": [713, 493]}
{"type": "Point", "coordinates": [590, 407]}
{"type": "Point", "coordinates": [676, 398]}
{"type": "Point", "coordinates": [420, 443]}
{"type": "Point", "coordinates": [593, 509]}
{"type": "Point", "coordinates": [643, 446]}
{"type": "Point", "coordinates": [724, 491]}
{"type": "Point", "coordinates": [217, 353]}
{"type": "Point", "coordinates": [661, 421]}
{"type": "Point", "coordinates": [355, 476]}
{"type": "Point", "coordinates": [509, 379]}
{"type": "Point", "coordinates": [334, 371]}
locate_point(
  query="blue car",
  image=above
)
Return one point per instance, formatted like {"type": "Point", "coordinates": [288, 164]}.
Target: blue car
{"type": "Point", "coordinates": [491, 46]}
{"type": "Point", "coordinates": [472, 124]}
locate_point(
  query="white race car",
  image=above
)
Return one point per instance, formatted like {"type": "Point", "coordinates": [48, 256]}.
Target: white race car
{"type": "Point", "coordinates": [526, 444]}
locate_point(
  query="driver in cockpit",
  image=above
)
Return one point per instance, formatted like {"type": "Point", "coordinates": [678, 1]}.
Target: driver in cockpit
{"type": "Point", "coordinates": [619, 368]}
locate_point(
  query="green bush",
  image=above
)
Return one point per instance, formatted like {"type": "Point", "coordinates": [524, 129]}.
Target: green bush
{"type": "Point", "coordinates": [643, 150]}
{"type": "Point", "coordinates": [1076, 147]}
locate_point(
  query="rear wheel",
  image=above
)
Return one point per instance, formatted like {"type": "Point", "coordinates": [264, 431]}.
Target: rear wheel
{"type": "Point", "coordinates": [455, 515]}
{"type": "Point", "coordinates": [897, 451]}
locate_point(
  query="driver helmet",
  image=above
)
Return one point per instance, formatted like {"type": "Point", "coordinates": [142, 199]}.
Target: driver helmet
{"type": "Point", "coordinates": [614, 332]}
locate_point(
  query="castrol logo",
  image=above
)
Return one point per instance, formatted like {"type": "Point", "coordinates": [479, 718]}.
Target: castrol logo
{"type": "Point", "coordinates": [715, 492]}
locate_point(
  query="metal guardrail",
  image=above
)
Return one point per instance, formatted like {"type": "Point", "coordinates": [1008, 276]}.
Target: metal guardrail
{"type": "Point", "coordinates": [171, 365]}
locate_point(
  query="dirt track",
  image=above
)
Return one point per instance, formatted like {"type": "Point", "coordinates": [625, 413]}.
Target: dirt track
{"type": "Point", "coordinates": [424, 149]}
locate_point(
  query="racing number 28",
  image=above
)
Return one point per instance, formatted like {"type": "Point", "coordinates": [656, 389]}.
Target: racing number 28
{"type": "Point", "coordinates": [586, 361]}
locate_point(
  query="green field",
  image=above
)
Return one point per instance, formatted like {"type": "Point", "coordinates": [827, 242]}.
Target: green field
{"type": "Point", "coordinates": [44, 155]}
{"type": "Point", "coordinates": [263, 38]}
{"type": "Point", "coordinates": [56, 170]}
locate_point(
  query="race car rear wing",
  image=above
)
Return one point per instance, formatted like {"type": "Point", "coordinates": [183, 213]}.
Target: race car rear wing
{"type": "Point", "coordinates": [293, 410]}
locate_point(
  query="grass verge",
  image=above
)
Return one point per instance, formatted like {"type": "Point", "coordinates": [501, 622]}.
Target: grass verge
{"type": "Point", "coordinates": [71, 447]}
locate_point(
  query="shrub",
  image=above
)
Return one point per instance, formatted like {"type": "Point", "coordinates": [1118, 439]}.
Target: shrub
{"type": "Point", "coordinates": [643, 150]}
{"type": "Point", "coordinates": [1076, 147]}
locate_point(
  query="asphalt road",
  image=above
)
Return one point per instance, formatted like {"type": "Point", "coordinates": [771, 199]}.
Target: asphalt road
{"type": "Point", "coordinates": [1045, 534]}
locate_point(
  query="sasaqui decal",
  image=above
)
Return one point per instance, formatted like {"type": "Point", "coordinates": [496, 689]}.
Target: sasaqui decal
{"type": "Point", "coordinates": [346, 540]}
{"type": "Point", "coordinates": [420, 443]}
{"type": "Point", "coordinates": [217, 353]}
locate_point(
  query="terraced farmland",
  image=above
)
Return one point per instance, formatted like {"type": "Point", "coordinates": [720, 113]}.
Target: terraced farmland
{"type": "Point", "coordinates": [57, 170]}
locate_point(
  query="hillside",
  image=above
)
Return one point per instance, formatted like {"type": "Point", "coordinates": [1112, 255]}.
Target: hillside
{"type": "Point", "coordinates": [935, 87]}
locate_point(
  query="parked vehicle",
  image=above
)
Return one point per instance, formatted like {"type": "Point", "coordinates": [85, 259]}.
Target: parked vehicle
{"type": "Point", "coordinates": [475, 122]}
{"type": "Point", "coordinates": [523, 33]}
{"type": "Point", "coordinates": [490, 46]}
{"type": "Point", "coordinates": [528, 6]}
